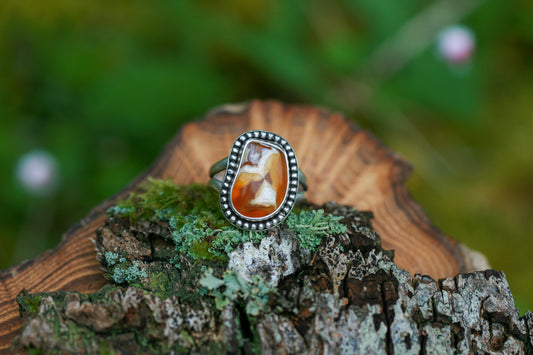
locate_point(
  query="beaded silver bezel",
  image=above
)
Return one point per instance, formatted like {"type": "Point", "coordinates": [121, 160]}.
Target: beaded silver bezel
{"type": "Point", "coordinates": [232, 169]}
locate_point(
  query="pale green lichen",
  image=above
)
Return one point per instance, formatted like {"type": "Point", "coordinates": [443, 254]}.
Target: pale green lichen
{"type": "Point", "coordinates": [189, 236]}
{"type": "Point", "coordinates": [233, 287]}
{"type": "Point", "coordinates": [197, 240]}
{"type": "Point", "coordinates": [178, 255]}
{"type": "Point", "coordinates": [130, 274]}
{"type": "Point", "coordinates": [198, 228]}
{"type": "Point", "coordinates": [228, 238]}
{"type": "Point", "coordinates": [111, 258]}
{"type": "Point", "coordinates": [312, 226]}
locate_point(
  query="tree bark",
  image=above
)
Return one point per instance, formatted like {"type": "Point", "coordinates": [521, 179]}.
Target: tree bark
{"type": "Point", "coordinates": [345, 297]}
{"type": "Point", "coordinates": [342, 162]}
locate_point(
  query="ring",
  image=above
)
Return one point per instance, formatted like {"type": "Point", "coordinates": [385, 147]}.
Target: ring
{"type": "Point", "coordinates": [259, 182]}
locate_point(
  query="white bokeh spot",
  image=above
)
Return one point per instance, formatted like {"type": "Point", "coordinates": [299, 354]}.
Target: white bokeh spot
{"type": "Point", "coordinates": [37, 172]}
{"type": "Point", "coordinates": [456, 44]}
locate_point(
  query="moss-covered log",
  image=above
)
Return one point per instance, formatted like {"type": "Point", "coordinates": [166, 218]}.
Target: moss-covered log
{"type": "Point", "coordinates": [184, 281]}
{"type": "Point", "coordinates": [343, 163]}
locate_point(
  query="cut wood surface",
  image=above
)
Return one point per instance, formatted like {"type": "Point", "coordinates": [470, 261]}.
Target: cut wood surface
{"type": "Point", "coordinates": [343, 163]}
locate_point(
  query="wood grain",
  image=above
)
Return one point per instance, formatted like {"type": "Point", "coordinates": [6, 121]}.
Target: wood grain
{"type": "Point", "coordinates": [342, 162]}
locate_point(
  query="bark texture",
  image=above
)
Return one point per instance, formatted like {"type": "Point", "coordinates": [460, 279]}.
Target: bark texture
{"type": "Point", "coordinates": [346, 297]}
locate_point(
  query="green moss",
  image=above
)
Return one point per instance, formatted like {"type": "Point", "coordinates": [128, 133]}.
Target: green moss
{"type": "Point", "coordinates": [75, 334]}
{"type": "Point", "coordinates": [159, 200]}
{"type": "Point", "coordinates": [104, 349]}
{"type": "Point", "coordinates": [199, 229]}
{"type": "Point", "coordinates": [312, 226]}
{"type": "Point", "coordinates": [201, 250]}
{"type": "Point", "coordinates": [186, 287]}
{"type": "Point", "coordinates": [158, 283]}
{"type": "Point", "coordinates": [188, 233]}
{"type": "Point", "coordinates": [195, 272]}
{"type": "Point", "coordinates": [255, 342]}
{"type": "Point", "coordinates": [29, 303]}
{"type": "Point", "coordinates": [100, 295]}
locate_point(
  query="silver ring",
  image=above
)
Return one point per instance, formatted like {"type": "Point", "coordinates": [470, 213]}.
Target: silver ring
{"type": "Point", "coordinates": [259, 182]}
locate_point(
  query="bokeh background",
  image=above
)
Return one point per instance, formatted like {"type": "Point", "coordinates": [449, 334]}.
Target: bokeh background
{"type": "Point", "coordinates": [90, 92]}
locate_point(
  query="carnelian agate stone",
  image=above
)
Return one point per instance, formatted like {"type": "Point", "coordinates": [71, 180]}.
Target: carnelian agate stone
{"type": "Point", "coordinates": [261, 182]}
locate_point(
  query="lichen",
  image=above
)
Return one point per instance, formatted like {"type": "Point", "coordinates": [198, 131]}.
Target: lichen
{"type": "Point", "coordinates": [198, 228]}
{"type": "Point", "coordinates": [228, 238]}
{"type": "Point", "coordinates": [113, 320]}
{"type": "Point", "coordinates": [192, 213]}
{"type": "Point", "coordinates": [312, 226]}
{"type": "Point", "coordinates": [111, 258]}
{"type": "Point", "coordinates": [185, 281]}
{"type": "Point", "coordinates": [188, 276]}
{"type": "Point", "coordinates": [232, 287]}
{"type": "Point", "coordinates": [129, 274]}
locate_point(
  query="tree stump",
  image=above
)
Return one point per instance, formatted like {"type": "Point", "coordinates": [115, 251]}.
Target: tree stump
{"type": "Point", "coordinates": [344, 164]}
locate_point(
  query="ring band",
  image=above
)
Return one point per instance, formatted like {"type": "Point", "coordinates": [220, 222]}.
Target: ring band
{"type": "Point", "coordinates": [259, 182]}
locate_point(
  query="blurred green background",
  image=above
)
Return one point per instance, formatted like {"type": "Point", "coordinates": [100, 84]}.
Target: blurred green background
{"type": "Point", "coordinates": [103, 85]}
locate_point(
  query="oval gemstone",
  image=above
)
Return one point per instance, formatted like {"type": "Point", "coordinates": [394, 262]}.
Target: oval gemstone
{"type": "Point", "coordinates": [261, 182]}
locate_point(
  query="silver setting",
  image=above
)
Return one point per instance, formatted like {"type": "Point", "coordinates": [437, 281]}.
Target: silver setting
{"type": "Point", "coordinates": [232, 165]}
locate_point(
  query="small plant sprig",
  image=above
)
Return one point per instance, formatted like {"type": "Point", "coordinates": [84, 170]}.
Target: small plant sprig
{"type": "Point", "coordinates": [312, 226]}
{"type": "Point", "coordinates": [232, 287]}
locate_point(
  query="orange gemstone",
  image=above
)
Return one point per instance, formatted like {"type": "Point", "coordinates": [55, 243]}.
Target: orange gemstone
{"type": "Point", "coordinates": [261, 183]}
